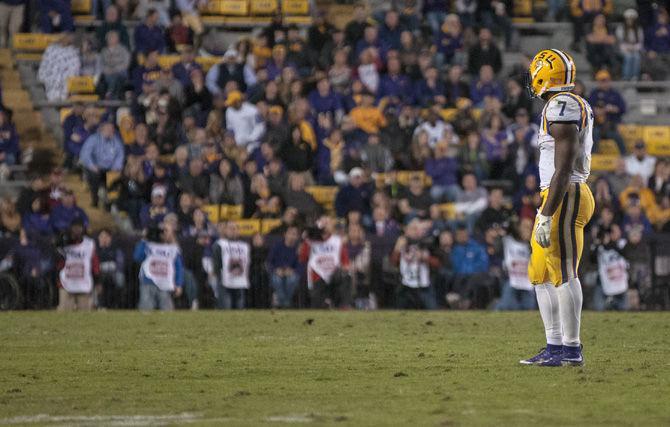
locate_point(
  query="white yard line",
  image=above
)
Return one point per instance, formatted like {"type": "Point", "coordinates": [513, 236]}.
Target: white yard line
{"type": "Point", "coordinates": [111, 420]}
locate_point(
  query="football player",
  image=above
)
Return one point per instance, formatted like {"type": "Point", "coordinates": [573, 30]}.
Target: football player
{"type": "Point", "coordinates": [565, 141]}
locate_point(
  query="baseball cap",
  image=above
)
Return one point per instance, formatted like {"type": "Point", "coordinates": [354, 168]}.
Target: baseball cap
{"type": "Point", "coordinates": [603, 75]}
{"type": "Point", "coordinates": [356, 172]}
{"type": "Point", "coordinates": [233, 97]}
{"type": "Point", "coordinates": [158, 190]}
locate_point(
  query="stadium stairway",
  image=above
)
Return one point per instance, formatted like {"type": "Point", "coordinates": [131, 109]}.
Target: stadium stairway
{"type": "Point", "coordinates": [33, 132]}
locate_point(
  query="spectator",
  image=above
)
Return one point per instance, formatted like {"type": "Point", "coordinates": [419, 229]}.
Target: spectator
{"type": "Point", "coordinates": [196, 181]}
{"type": "Point", "coordinates": [28, 267]}
{"type": "Point", "coordinates": [112, 278]}
{"type": "Point", "coordinates": [10, 219]}
{"type": "Point", "coordinates": [63, 215]}
{"type": "Point", "coordinates": [112, 22]}
{"type": "Point", "coordinates": [449, 41]}
{"type": "Point", "coordinates": [191, 16]}
{"type": "Point", "coordinates": [376, 156]}
{"type": "Point", "coordinates": [485, 52]}
{"type": "Point", "coordinates": [615, 106]}
{"type": "Point", "coordinates": [640, 163]}
{"type": "Point", "coordinates": [161, 270]}
{"type": "Point", "coordinates": [225, 187]}
{"type": "Point", "coordinates": [324, 101]}
{"type": "Point", "coordinates": [161, 8]}
{"type": "Point", "coordinates": [583, 13]}
{"type": "Point", "coordinates": [415, 261]}
{"type": "Point", "coordinates": [472, 201]}
{"type": "Point", "coordinates": [495, 214]}
{"type": "Point", "coordinates": [430, 90]}
{"type": "Point", "coordinates": [78, 136]}
{"type": "Point", "coordinates": [657, 44]}
{"type": "Point", "coordinates": [366, 116]}
{"type": "Point", "coordinates": [283, 265]}
{"type": "Point", "coordinates": [229, 70]}
{"type": "Point", "coordinates": [327, 261]}
{"type": "Point", "coordinates": [296, 197]}
{"type": "Point", "coordinates": [442, 168]}
{"type": "Point", "coordinates": [11, 19]}
{"type": "Point", "coordinates": [10, 153]}
{"type": "Point", "coordinates": [415, 202]}
{"type": "Point", "coordinates": [601, 45]}
{"type": "Point", "coordinates": [149, 35]}
{"type": "Point", "coordinates": [60, 61]}
{"type": "Point", "coordinates": [103, 151]}
{"type": "Point", "coordinates": [133, 189]}
{"type": "Point", "coordinates": [517, 293]}
{"type": "Point", "coordinates": [472, 286]}
{"type": "Point", "coordinates": [631, 41]}
{"type": "Point", "coordinates": [604, 128]}
{"type": "Point", "coordinates": [115, 62]}
{"type": "Point", "coordinates": [244, 121]}
{"type": "Point", "coordinates": [485, 86]}
{"type": "Point", "coordinates": [78, 268]}
{"type": "Point", "coordinates": [232, 258]}
{"type": "Point", "coordinates": [612, 292]}
{"type": "Point", "coordinates": [36, 222]}
{"type": "Point", "coordinates": [55, 16]}
{"type": "Point", "coordinates": [659, 182]}
{"type": "Point", "coordinates": [146, 75]}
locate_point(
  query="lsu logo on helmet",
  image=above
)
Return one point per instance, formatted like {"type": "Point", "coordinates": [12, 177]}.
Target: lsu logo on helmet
{"type": "Point", "coordinates": [551, 70]}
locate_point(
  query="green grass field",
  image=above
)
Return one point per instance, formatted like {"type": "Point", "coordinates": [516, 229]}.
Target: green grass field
{"type": "Point", "coordinates": [326, 368]}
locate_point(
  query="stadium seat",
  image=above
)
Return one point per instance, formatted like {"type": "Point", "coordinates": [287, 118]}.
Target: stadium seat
{"type": "Point", "coordinates": [84, 97]}
{"type": "Point", "coordinates": [231, 212]}
{"type": "Point", "coordinates": [249, 227]}
{"type": "Point", "coordinates": [295, 7]}
{"type": "Point", "coordinates": [657, 139]}
{"type": "Point", "coordinates": [630, 133]}
{"type": "Point", "coordinates": [607, 146]}
{"type": "Point", "coordinates": [448, 210]}
{"type": "Point", "coordinates": [405, 176]}
{"type": "Point", "coordinates": [604, 162]}
{"type": "Point", "coordinates": [207, 62]}
{"type": "Point", "coordinates": [324, 195]}
{"type": "Point", "coordinates": [29, 46]}
{"type": "Point", "coordinates": [81, 7]}
{"type": "Point", "coordinates": [264, 7]}
{"type": "Point", "coordinates": [81, 85]}
{"type": "Point", "coordinates": [268, 225]}
{"type": "Point", "coordinates": [213, 213]}
{"type": "Point", "coordinates": [448, 114]}
{"type": "Point", "coordinates": [234, 8]}
{"type": "Point", "coordinates": [167, 61]}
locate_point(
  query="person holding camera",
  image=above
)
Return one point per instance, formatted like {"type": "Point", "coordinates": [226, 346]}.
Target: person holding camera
{"type": "Point", "coordinates": [327, 261]}
{"type": "Point", "coordinates": [231, 257]}
{"type": "Point", "coordinates": [161, 270]}
{"type": "Point", "coordinates": [78, 268]}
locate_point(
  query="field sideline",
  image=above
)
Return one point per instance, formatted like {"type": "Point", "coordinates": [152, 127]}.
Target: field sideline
{"type": "Point", "coordinates": [326, 368]}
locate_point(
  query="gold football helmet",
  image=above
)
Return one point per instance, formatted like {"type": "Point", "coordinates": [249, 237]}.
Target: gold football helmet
{"type": "Point", "coordinates": [551, 70]}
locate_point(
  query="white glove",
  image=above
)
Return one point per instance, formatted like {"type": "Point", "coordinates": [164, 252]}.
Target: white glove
{"type": "Point", "coordinates": [543, 230]}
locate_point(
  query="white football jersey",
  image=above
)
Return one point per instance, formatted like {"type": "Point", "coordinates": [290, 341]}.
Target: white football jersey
{"type": "Point", "coordinates": [566, 108]}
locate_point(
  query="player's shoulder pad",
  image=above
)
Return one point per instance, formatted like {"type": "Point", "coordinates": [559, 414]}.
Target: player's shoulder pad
{"type": "Point", "coordinates": [565, 108]}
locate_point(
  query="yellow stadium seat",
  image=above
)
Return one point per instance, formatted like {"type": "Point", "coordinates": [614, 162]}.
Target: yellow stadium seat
{"type": "Point", "coordinates": [207, 62]}
{"type": "Point", "coordinates": [659, 148]}
{"type": "Point", "coordinates": [84, 98]}
{"type": "Point", "coordinates": [231, 212]}
{"type": "Point", "coordinates": [213, 7]}
{"type": "Point", "coordinates": [295, 7]}
{"type": "Point", "coordinates": [234, 8]}
{"type": "Point", "coordinates": [33, 42]}
{"type": "Point", "coordinates": [607, 146]}
{"type": "Point", "coordinates": [267, 225]}
{"type": "Point", "coordinates": [264, 7]}
{"type": "Point", "coordinates": [248, 227]}
{"type": "Point", "coordinates": [213, 212]}
{"type": "Point", "coordinates": [522, 7]}
{"type": "Point", "coordinates": [298, 20]}
{"type": "Point", "coordinates": [448, 210]}
{"type": "Point", "coordinates": [323, 194]}
{"type": "Point", "coordinates": [448, 114]}
{"type": "Point", "coordinates": [81, 85]}
{"type": "Point", "coordinates": [604, 162]}
{"type": "Point", "coordinates": [630, 133]}
{"type": "Point", "coordinates": [167, 61]}
{"type": "Point", "coordinates": [81, 7]}
{"type": "Point", "coordinates": [405, 176]}
{"type": "Point", "coordinates": [655, 136]}
{"type": "Point", "coordinates": [167, 158]}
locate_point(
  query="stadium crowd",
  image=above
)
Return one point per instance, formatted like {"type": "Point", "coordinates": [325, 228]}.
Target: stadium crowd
{"type": "Point", "coordinates": [284, 110]}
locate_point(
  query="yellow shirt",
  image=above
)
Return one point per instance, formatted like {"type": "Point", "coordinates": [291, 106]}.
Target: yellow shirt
{"type": "Point", "coordinates": [368, 119]}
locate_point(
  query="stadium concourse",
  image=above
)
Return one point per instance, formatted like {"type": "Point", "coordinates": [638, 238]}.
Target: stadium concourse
{"type": "Point", "coordinates": [292, 154]}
